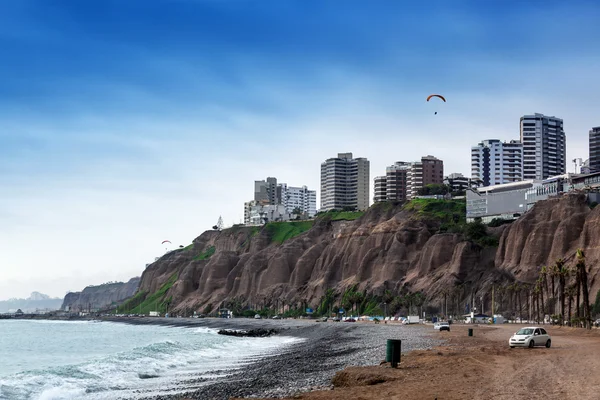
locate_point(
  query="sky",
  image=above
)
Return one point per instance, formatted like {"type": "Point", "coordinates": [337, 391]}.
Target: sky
{"type": "Point", "coordinates": [126, 123]}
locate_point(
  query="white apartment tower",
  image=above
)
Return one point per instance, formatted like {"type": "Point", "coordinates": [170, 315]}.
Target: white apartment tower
{"type": "Point", "coordinates": [495, 162]}
{"type": "Point", "coordinates": [345, 183]}
{"type": "Point", "coordinates": [544, 146]}
{"type": "Point", "coordinates": [299, 198]}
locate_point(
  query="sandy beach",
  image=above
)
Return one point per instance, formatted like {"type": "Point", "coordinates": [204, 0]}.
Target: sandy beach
{"type": "Point", "coordinates": [480, 367]}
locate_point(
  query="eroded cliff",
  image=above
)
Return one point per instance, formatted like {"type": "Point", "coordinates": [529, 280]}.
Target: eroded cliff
{"type": "Point", "coordinates": [388, 248]}
{"type": "Point", "coordinates": [100, 296]}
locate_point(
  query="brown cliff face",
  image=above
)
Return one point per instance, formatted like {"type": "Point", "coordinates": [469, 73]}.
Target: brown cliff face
{"type": "Point", "coordinates": [384, 249]}
{"type": "Point", "coordinates": [101, 296]}
{"type": "Point", "coordinates": [553, 229]}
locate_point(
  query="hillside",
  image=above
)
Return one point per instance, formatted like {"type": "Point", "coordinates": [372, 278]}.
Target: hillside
{"type": "Point", "coordinates": [422, 247]}
{"type": "Point", "coordinates": [100, 296]}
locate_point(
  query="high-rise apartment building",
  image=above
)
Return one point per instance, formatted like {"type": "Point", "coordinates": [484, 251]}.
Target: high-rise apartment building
{"type": "Point", "coordinates": [345, 183]}
{"type": "Point", "coordinates": [495, 162]}
{"type": "Point", "coordinates": [403, 180]}
{"type": "Point", "coordinates": [544, 146]}
{"type": "Point", "coordinates": [396, 181]}
{"type": "Point", "coordinates": [430, 170]}
{"type": "Point", "coordinates": [299, 198]}
{"type": "Point", "coordinates": [594, 160]}
{"type": "Point", "coordinates": [379, 193]}
{"type": "Point", "coordinates": [267, 191]}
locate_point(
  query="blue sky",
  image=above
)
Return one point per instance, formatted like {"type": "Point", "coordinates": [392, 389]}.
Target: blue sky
{"type": "Point", "coordinates": [126, 123]}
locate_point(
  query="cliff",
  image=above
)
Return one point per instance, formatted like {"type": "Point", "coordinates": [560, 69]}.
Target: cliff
{"type": "Point", "coordinates": [397, 248]}
{"type": "Point", "coordinates": [101, 296]}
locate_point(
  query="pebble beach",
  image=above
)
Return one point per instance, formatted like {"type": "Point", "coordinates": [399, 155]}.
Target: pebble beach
{"type": "Point", "coordinates": [326, 347]}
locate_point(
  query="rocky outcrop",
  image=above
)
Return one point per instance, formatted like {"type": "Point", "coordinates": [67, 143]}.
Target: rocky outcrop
{"type": "Point", "coordinates": [101, 296]}
{"type": "Point", "coordinates": [387, 248]}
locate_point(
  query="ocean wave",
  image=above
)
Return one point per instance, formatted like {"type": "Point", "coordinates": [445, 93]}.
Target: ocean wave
{"type": "Point", "coordinates": [151, 367]}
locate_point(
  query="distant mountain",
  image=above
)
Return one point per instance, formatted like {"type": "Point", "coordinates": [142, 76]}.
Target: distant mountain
{"type": "Point", "coordinates": [36, 301]}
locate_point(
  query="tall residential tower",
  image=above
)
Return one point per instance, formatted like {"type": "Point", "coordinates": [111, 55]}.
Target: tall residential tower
{"type": "Point", "coordinates": [594, 161]}
{"type": "Point", "coordinates": [345, 183]}
{"type": "Point", "coordinates": [544, 146]}
{"type": "Point", "coordinates": [495, 162]}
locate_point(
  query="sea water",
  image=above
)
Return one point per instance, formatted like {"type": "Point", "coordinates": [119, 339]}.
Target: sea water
{"type": "Point", "coordinates": [46, 360]}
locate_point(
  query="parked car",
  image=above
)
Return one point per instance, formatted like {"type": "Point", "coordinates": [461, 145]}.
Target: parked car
{"type": "Point", "coordinates": [257, 316]}
{"type": "Point", "coordinates": [442, 326]}
{"type": "Point", "coordinates": [276, 317]}
{"type": "Point", "coordinates": [349, 320]}
{"type": "Point", "coordinates": [529, 337]}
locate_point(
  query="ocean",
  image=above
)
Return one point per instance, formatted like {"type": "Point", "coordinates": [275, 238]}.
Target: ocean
{"type": "Point", "coordinates": [56, 360]}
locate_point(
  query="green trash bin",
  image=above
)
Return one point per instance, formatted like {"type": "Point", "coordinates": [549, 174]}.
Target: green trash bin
{"type": "Point", "coordinates": [470, 331]}
{"type": "Point", "coordinates": [392, 355]}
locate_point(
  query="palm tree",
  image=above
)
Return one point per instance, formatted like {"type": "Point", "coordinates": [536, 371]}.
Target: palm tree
{"type": "Point", "coordinates": [570, 294]}
{"type": "Point", "coordinates": [563, 272]}
{"type": "Point", "coordinates": [553, 273]}
{"type": "Point", "coordinates": [541, 292]}
{"type": "Point", "coordinates": [544, 275]}
{"type": "Point", "coordinates": [536, 293]}
{"type": "Point", "coordinates": [518, 296]}
{"type": "Point", "coordinates": [509, 289]}
{"type": "Point", "coordinates": [584, 284]}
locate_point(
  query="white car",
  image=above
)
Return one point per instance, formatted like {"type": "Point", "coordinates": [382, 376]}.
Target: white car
{"type": "Point", "coordinates": [529, 337]}
{"type": "Point", "coordinates": [441, 326]}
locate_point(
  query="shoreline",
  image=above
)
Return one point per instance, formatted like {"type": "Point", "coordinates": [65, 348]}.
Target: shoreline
{"type": "Point", "coordinates": [327, 347]}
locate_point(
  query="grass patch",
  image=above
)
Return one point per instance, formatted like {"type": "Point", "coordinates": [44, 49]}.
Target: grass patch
{"type": "Point", "coordinates": [443, 210]}
{"type": "Point", "coordinates": [337, 215]}
{"type": "Point", "coordinates": [279, 232]}
{"type": "Point", "coordinates": [452, 217]}
{"type": "Point", "coordinates": [346, 215]}
{"type": "Point", "coordinates": [142, 303]}
{"type": "Point", "coordinates": [206, 254]}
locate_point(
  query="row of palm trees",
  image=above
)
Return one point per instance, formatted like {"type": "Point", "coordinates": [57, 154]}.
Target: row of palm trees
{"type": "Point", "coordinates": [559, 289]}
{"type": "Point", "coordinates": [569, 283]}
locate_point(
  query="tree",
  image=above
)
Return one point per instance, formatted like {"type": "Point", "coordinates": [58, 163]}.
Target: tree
{"type": "Point", "coordinates": [570, 292]}
{"type": "Point", "coordinates": [433, 189]}
{"type": "Point", "coordinates": [539, 285]}
{"type": "Point", "coordinates": [563, 272]}
{"type": "Point", "coordinates": [220, 223]}
{"type": "Point", "coordinates": [584, 283]}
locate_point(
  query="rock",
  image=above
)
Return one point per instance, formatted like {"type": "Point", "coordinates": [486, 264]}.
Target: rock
{"type": "Point", "coordinates": [251, 333]}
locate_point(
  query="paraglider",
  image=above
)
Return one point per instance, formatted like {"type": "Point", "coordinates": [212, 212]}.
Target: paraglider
{"type": "Point", "coordinates": [436, 95]}
{"type": "Point", "coordinates": [166, 241]}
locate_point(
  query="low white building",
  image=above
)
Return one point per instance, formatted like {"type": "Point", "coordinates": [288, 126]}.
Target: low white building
{"type": "Point", "coordinates": [506, 201]}
{"type": "Point", "coordinates": [256, 213]}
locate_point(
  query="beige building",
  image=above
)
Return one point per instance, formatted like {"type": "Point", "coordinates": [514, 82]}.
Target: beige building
{"type": "Point", "coordinates": [345, 183]}
{"type": "Point", "coordinates": [430, 170]}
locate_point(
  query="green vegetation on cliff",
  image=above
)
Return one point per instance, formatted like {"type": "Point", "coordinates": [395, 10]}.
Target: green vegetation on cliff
{"type": "Point", "coordinates": [279, 232]}
{"type": "Point", "coordinates": [205, 255]}
{"type": "Point", "coordinates": [143, 303]}
{"type": "Point", "coordinates": [453, 219]}
{"type": "Point", "coordinates": [446, 211]}
{"type": "Point", "coordinates": [337, 215]}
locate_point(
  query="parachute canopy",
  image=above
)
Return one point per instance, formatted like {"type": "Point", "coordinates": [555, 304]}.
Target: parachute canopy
{"type": "Point", "coordinates": [166, 241]}
{"type": "Point", "coordinates": [436, 95]}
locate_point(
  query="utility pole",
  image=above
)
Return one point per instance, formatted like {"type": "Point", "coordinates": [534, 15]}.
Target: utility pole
{"type": "Point", "coordinates": [492, 303]}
